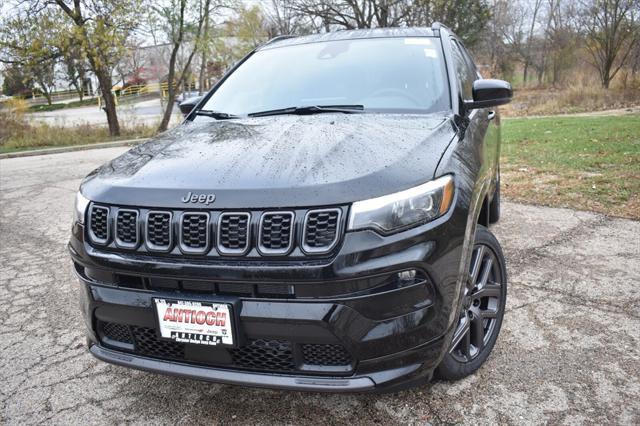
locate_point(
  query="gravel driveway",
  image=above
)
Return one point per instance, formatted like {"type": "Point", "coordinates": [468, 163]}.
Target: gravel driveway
{"type": "Point", "coordinates": [569, 351]}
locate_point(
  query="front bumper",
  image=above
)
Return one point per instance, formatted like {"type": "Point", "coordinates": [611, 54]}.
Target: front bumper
{"type": "Point", "coordinates": [394, 336]}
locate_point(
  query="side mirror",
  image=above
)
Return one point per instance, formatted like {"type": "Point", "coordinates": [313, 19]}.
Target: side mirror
{"type": "Point", "coordinates": [490, 93]}
{"type": "Point", "coordinates": [187, 105]}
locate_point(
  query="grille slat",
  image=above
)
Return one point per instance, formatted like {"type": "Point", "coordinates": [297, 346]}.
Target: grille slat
{"type": "Point", "coordinates": [99, 224]}
{"type": "Point", "coordinates": [127, 228]}
{"type": "Point", "coordinates": [159, 231]}
{"type": "Point", "coordinates": [194, 232]}
{"type": "Point", "coordinates": [233, 233]}
{"type": "Point", "coordinates": [276, 232]}
{"type": "Point", "coordinates": [321, 230]}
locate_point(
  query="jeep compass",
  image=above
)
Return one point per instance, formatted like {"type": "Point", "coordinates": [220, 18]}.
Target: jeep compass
{"type": "Point", "coordinates": [318, 222]}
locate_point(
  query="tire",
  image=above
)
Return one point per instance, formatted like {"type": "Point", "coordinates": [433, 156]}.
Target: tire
{"type": "Point", "coordinates": [482, 305]}
{"type": "Point", "coordinates": [494, 205]}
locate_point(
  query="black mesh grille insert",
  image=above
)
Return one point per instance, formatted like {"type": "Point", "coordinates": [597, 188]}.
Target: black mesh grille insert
{"type": "Point", "coordinates": [325, 355]}
{"type": "Point", "coordinates": [258, 354]}
{"type": "Point", "coordinates": [276, 355]}
{"type": "Point", "coordinates": [194, 231]}
{"type": "Point", "coordinates": [127, 227]}
{"type": "Point", "coordinates": [321, 229]}
{"type": "Point", "coordinates": [117, 332]}
{"type": "Point", "coordinates": [159, 229]}
{"type": "Point", "coordinates": [100, 223]}
{"type": "Point", "coordinates": [276, 231]}
{"type": "Point", "coordinates": [233, 232]}
{"type": "Point", "coordinates": [147, 343]}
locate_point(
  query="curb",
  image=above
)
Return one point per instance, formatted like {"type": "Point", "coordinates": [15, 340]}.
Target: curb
{"type": "Point", "coordinates": [62, 149]}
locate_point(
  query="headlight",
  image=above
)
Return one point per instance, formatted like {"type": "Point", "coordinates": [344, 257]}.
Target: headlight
{"type": "Point", "coordinates": [404, 209]}
{"type": "Point", "coordinates": [80, 208]}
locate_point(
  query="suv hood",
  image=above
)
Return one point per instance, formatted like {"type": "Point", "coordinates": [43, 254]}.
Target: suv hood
{"type": "Point", "coordinates": [277, 161]}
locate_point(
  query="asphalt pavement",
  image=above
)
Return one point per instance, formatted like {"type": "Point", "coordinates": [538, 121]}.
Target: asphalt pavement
{"type": "Point", "coordinates": [568, 353]}
{"type": "Point", "coordinates": [147, 112]}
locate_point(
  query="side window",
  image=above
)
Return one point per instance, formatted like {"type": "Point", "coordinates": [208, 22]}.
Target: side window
{"type": "Point", "coordinates": [470, 63]}
{"type": "Point", "coordinates": [465, 70]}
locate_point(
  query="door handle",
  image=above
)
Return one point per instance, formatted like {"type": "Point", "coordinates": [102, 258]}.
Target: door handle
{"type": "Point", "coordinates": [491, 115]}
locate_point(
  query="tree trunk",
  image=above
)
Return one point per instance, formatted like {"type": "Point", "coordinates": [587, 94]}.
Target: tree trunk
{"type": "Point", "coordinates": [109, 101]}
{"type": "Point", "coordinates": [203, 58]}
{"type": "Point", "coordinates": [171, 89]}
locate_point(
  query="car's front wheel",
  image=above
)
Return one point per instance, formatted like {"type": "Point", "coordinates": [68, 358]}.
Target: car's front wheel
{"type": "Point", "coordinates": [481, 312]}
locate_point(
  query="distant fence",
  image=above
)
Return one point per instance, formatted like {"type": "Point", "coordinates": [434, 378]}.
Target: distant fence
{"type": "Point", "coordinates": [121, 94]}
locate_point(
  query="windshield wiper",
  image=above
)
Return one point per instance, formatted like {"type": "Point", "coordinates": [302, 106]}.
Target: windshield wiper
{"type": "Point", "coordinates": [215, 114]}
{"type": "Point", "coordinates": [312, 109]}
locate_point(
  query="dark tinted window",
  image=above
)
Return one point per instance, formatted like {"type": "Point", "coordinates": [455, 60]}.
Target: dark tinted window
{"type": "Point", "coordinates": [465, 70]}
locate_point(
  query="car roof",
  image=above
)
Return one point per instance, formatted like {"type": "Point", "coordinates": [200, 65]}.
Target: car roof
{"type": "Point", "coordinates": [350, 35]}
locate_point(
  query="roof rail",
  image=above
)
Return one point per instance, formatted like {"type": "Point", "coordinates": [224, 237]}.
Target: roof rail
{"type": "Point", "coordinates": [278, 38]}
{"type": "Point", "coordinates": [436, 26]}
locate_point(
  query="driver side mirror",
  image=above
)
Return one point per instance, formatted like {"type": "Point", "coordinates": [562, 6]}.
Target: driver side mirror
{"type": "Point", "coordinates": [489, 93]}
{"type": "Point", "coordinates": [187, 105]}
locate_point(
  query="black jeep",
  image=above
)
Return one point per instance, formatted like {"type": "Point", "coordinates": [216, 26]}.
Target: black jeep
{"type": "Point", "coordinates": [318, 222]}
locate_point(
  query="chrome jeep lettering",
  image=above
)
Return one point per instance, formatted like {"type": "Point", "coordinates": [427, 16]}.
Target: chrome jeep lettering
{"type": "Point", "coordinates": [198, 198]}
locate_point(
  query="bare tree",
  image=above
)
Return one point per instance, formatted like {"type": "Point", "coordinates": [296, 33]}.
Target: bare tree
{"type": "Point", "coordinates": [611, 29]}
{"type": "Point", "coordinates": [131, 62]}
{"type": "Point", "coordinates": [182, 22]}
{"type": "Point", "coordinates": [352, 14]}
{"type": "Point", "coordinates": [284, 19]}
{"type": "Point", "coordinates": [468, 18]}
{"type": "Point", "coordinates": [527, 51]}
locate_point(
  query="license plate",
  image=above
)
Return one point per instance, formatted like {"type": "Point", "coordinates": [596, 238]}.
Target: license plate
{"type": "Point", "coordinates": [200, 323]}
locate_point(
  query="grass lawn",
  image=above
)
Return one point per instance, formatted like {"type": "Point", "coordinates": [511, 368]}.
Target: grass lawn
{"type": "Point", "coordinates": [27, 137]}
{"type": "Point", "coordinates": [586, 163]}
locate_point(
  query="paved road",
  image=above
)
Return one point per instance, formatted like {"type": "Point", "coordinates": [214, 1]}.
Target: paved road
{"type": "Point", "coordinates": [569, 351]}
{"type": "Point", "coordinates": [147, 112]}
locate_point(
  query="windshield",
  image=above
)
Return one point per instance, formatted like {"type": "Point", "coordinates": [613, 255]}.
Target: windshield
{"type": "Point", "coordinates": [381, 74]}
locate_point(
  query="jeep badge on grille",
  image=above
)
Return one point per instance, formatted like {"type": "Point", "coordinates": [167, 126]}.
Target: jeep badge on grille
{"type": "Point", "coordinates": [199, 198]}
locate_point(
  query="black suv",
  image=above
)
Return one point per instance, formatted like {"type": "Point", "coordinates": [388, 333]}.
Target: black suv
{"type": "Point", "coordinates": [318, 222]}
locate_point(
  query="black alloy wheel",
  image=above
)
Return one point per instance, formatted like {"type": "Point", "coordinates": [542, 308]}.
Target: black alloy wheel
{"type": "Point", "coordinates": [481, 311]}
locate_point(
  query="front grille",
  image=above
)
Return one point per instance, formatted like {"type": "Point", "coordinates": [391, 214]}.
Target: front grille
{"type": "Point", "coordinates": [233, 233]}
{"type": "Point", "coordinates": [194, 232]}
{"type": "Point", "coordinates": [276, 233]}
{"type": "Point", "coordinates": [99, 224]}
{"type": "Point", "coordinates": [257, 355]}
{"type": "Point", "coordinates": [127, 228]}
{"type": "Point", "coordinates": [272, 355]}
{"type": "Point", "coordinates": [321, 230]}
{"type": "Point", "coordinates": [325, 355]}
{"type": "Point", "coordinates": [159, 231]}
{"type": "Point", "coordinates": [117, 332]}
{"type": "Point", "coordinates": [286, 233]}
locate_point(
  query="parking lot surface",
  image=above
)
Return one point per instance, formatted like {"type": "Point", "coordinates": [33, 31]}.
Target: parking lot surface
{"type": "Point", "coordinates": [569, 351]}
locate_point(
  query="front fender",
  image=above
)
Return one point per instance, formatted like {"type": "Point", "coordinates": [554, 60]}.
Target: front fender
{"type": "Point", "coordinates": [469, 160]}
